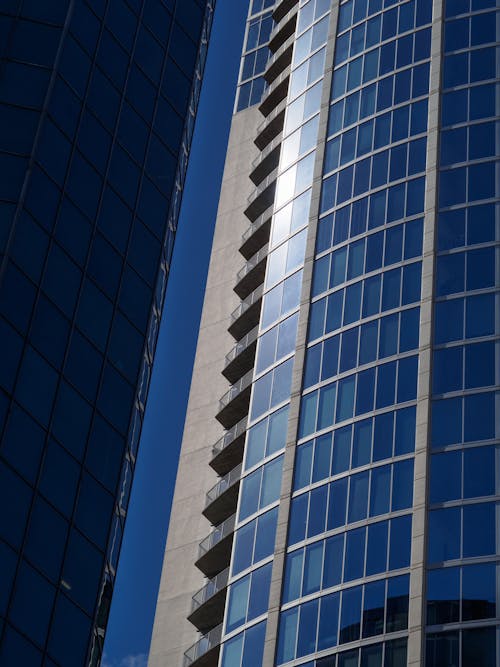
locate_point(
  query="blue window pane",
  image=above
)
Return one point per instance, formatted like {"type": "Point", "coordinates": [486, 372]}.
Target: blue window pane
{"type": "Point", "coordinates": [253, 651]}
{"type": "Point", "coordinates": [312, 568]}
{"type": "Point", "coordinates": [479, 316]}
{"type": "Point", "coordinates": [446, 477]}
{"type": "Point", "coordinates": [446, 425]}
{"type": "Point", "coordinates": [298, 518]}
{"type": "Point", "coordinates": [265, 535]}
{"type": "Point", "coordinates": [479, 417]}
{"type": "Point", "coordinates": [328, 621]}
{"type": "Point", "coordinates": [386, 384]}
{"type": "Point", "coordinates": [405, 431]}
{"type": "Point", "coordinates": [373, 609]}
{"type": "Point", "coordinates": [478, 591]}
{"type": "Point", "coordinates": [365, 391]}
{"type": "Point", "coordinates": [479, 472]}
{"type": "Point", "coordinates": [326, 406]}
{"type": "Point", "coordinates": [306, 641]}
{"type": "Point", "coordinates": [383, 436]}
{"type": "Point", "coordinates": [479, 530]}
{"type": "Point", "coordinates": [449, 320]}
{"type": "Point", "coordinates": [303, 463]}
{"type": "Point", "coordinates": [287, 635]}
{"type": "Point", "coordinates": [341, 450]}
{"type": "Point", "coordinates": [243, 548]}
{"type": "Point", "coordinates": [322, 455]}
{"type": "Point", "coordinates": [368, 341]}
{"type": "Point", "coordinates": [345, 400]}
{"type": "Point", "coordinates": [399, 551]}
{"type": "Point", "coordinates": [317, 511]}
{"type": "Point", "coordinates": [444, 535]}
{"type": "Point", "coordinates": [376, 552]}
{"type": "Point", "coordinates": [362, 443]}
{"type": "Point", "coordinates": [259, 592]}
{"type": "Point", "coordinates": [332, 567]}
{"type": "Point", "coordinates": [350, 619]}
{"type": "Point", "coordinates": [380, 490]}
{"type": "Point", "coordinates": [330, 357]}
{"type": "Point", "coordinates": [293, 576]}
{"type": "Point", "coordinates": [402, 485]}
{"type": "Point", "coordinates": [443, 595]}
{"type": "Point", "coordinates": [389, 329]}
{"type": "Point", "coordinates": [358, 497]}
{"type": "Point", "coordinates": [397, 603]}
{"type": "Point", "coordinates": [355, 554]}
{"type": "Point", "coordinates": [334, 311]}
{"type": "Point", "coordinates": [337, 504]}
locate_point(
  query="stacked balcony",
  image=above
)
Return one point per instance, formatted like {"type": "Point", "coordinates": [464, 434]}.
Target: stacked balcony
{"type": "Point", "coordinates": [208, 603]}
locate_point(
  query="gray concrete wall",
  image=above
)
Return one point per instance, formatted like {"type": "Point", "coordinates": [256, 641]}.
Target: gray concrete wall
{"type": "Point", "coordinates": [180, 579]}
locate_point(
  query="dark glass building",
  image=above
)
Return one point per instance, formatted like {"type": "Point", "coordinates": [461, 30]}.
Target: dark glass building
{"type": "Point", "coordinates": [97, 107]}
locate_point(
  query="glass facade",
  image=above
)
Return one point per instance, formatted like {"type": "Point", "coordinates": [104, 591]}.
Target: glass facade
{"type": "Point", "coordinates": [255, 54]}
{"type": "Point", "coordinates": [462, 569]}
{"type": "Point", "coordinates": [366, 521]}
{"type": "Point", "coordinates": [349, 534]}
{"type": "Point", "coordinates": [97, 106]}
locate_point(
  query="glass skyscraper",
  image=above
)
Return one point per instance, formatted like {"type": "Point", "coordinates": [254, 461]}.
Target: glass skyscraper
{"type": "Point", "coordinates": [97, 106]}
{"type": "Point", "coordinates": [355, 427]}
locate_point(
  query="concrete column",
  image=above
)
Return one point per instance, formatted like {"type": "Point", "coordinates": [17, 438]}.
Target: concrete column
{"type": "Point", "coordinates": [416, 619]}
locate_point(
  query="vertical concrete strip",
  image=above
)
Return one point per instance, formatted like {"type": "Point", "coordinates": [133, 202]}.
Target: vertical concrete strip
{"type": "Point", "coordinates": [416, 621]}
{"type": "Point", "coordinates": [172, 632]}
{"type": "Point", "coordinates": [293, 419]}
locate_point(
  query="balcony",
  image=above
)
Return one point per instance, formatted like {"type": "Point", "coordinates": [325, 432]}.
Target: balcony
{"type": "Point", "coordinates": [207, 605]}
{"type": "Point", "coordinates": [282, 7]}
{"type": "Point", "coordinates": [251, 275]}
{"type": "Point", "coordinates": [242, 357]}
{"type": "Point", "coordinates": [283, 28]}
{"type": "Point", "coordinates": [233, 406]}
{"type": "Point", "coordinates": [267, 160]}
{"type": "Point", "coordinates": [205, 653]}
{"type": "Point", "coordinates": [228, 450]}
{"type": "Point", "coordinates": [279, 60]}
{"type": "Point", "coordinates": [262, 197]}
{"type": "Point", "coordinates": [246, 315]}
{"type": "Point", "coordinates": [275, 93]}
{"type": "Point", "coordinates": [257, 234]}
{"type": "Point", "coordinates": [221, 500]}
{"type": "Point", "coordinates": [214, 551]}
{"type": "Point", "coordinates": [271, 126]}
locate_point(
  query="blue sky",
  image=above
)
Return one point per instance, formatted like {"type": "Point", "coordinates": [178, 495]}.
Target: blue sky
{"type": "Point", "coordinates": [134, 600]}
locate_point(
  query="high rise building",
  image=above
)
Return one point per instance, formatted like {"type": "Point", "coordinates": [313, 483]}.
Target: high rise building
{"type": "Point", "coordinates": [356, 422]}
{"type": "Point", "coordinates": [97, 106]}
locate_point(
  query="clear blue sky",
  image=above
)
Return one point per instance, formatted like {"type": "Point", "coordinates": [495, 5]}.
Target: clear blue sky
{"type": "Point", "coordinates": [134, 600]}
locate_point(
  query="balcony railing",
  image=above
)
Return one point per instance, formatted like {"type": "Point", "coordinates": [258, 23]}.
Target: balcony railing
{"type": "Point", "coordinates": [271, 126]}
{"type": "Point", "coordinates": [241, 346]}
{"type": "Point", "coordinates": [230, 436]}
{"type": "Point", "coordinates": [217, 535]}
{"type": "Point", "coordinates": [252, 263]}
{"type": "Point", "coordinates": [208, 642]}
{"type": "Point", "coordinates": [210, 589]}
{"type": "Point", "coordinates": [279, 60]}
{"type": "Point", "coordinates": [247, 303]}
{"type": "Point", "coordinates": [223, 485]}
{"type": "Point", "coordinates": [236, 389]}
{"type": "Point", "coordinates": [275, 92]}
{"type": "Point", "coordinates": [282, 30]}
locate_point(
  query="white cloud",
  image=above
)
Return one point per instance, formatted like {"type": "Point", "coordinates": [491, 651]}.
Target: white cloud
{"type": "Point", "coordinates": [139, 660]}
